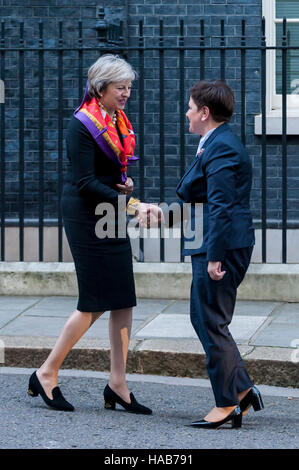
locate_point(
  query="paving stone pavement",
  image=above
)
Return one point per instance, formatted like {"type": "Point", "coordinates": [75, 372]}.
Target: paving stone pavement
{"type": "Point", "coordinates": [162, 342]}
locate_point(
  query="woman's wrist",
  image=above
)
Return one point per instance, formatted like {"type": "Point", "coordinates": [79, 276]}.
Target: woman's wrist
{"type": "Point", "coordinates": [132, 206]}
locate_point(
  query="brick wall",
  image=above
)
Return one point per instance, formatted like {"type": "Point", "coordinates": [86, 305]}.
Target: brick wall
{"type": "Point", "coordinates": [70, 11]}
{"type": "Point", "coordinates": [31, 12]}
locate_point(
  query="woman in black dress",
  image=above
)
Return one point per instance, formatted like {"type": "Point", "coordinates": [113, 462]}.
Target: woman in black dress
{"type": "Point", "coordinates": [100, 146]}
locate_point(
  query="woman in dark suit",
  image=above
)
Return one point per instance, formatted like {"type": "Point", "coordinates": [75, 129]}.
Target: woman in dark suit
{"type": "Point", "coordinates": [100, 146]}
{"type": "Point", "coordinates": [220, 178]}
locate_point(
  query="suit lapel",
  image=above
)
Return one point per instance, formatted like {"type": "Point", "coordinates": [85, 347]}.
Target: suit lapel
{"type": "Point", "coordinates": [216, 132]}
{"type": "Point", "coordinates": [187, 172]}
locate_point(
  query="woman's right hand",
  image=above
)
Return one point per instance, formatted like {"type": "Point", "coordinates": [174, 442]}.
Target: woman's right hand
{"type": "Point", "coordinates": [148, 215]}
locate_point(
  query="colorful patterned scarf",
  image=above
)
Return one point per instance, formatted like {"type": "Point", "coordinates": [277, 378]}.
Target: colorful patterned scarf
{"type": "Point", "coordinates": [102, 129]}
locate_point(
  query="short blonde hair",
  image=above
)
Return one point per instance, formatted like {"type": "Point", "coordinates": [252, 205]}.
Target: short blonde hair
{"type": "Point", "coordinates": [107, 69]}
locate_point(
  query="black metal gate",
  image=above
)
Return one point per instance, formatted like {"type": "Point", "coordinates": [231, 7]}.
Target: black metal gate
{"type": "Point", "coordinates": [48, 60]}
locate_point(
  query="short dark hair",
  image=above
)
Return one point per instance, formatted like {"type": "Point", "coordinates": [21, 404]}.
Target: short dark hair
{"type": "Point", "coordinates": [217, 96]}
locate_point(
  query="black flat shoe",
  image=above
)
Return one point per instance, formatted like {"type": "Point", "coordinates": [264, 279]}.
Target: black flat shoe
{"type": "Point", "coordinates": [235, 417]}
{"type": "Point", "coordinates": [111, 398]}
{"type": "Point", "coordinates": [252, 398]}
{"type": "Point", "coordinates": [58, 402]}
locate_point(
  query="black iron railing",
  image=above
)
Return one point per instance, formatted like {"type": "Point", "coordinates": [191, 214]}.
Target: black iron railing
{"type": "Point", "coordinates": [22, 52]}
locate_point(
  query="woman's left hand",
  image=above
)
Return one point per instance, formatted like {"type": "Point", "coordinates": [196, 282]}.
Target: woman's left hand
{"type": "Point", "coordinates": [214, 270]}
{"type": "Point", "coordinates": [126, 188]}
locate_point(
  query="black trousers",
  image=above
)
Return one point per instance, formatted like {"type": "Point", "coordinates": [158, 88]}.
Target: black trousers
{"type": "Point", "coordinates": [212, 306]}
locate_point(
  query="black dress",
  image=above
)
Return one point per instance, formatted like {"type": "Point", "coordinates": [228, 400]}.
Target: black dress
{"type": "Point", "coordinates": [103, 266]}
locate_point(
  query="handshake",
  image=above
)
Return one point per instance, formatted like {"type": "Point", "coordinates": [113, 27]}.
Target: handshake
{"type": "Point", "coordinates": [149, 215]}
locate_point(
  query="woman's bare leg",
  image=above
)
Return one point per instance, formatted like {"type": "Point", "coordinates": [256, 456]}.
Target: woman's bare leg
{"type": "Point", "coordinates": [75, 327]}
{"type": "Point", "coordinates": [120, 324]}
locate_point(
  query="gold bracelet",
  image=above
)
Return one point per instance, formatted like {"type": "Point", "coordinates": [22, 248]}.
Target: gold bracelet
{"type": "Point", "coordinates": [132, 206]}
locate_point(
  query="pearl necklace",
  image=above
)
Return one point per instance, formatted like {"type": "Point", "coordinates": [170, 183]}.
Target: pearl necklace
{"type": "Point", "coordinates": [114, 117]}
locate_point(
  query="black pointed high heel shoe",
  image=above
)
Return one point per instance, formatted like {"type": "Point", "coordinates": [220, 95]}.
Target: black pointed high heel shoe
{"type": "Point", "coordinates": [235, 417]}
{"type": "Point", "coordinates": [58, 402]}
{"type": "Point", "coordinates": [252, 398]}
{"type": "Point", "coordinates": [111, 398]}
